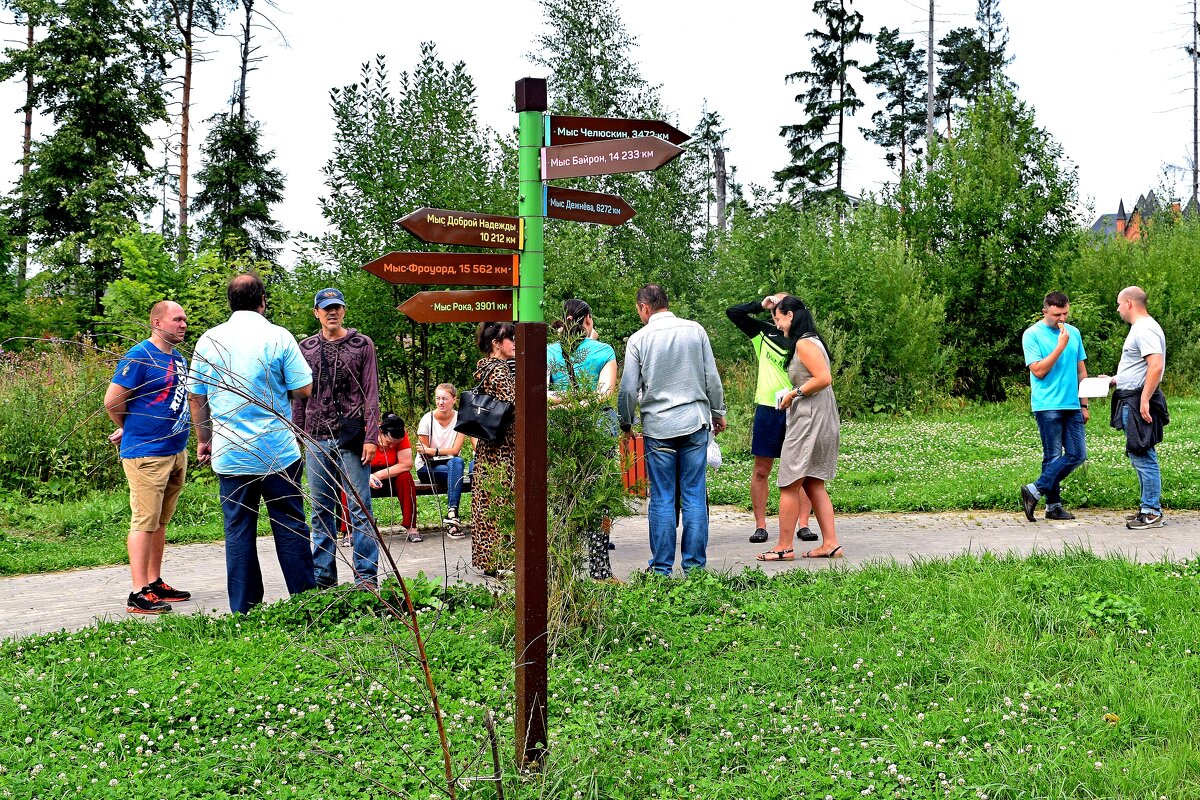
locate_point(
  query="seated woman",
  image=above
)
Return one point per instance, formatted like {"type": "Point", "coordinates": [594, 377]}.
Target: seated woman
{"type": "Point", "coordinates": [438, 449]}
{"type": "Point", "coordinates": [391, 471]}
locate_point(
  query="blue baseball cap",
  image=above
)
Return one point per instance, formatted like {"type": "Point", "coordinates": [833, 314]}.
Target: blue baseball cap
{"type": "Point", "coordinates": [328, 297]}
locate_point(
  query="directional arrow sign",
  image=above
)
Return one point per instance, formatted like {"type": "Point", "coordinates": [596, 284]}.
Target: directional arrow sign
{"type": "Point", "coordinates": [480, 305]}
{"type": "Point", "coordinates": [439, 226]}
{"type": "Point", "coordinates": [453, 269]}
{"type": "Point", "coordinates": [579, 206]}
{"type": "Point", "coordinates": [639, 154]}
{"type": "Point", "coordinates": [573, 130]}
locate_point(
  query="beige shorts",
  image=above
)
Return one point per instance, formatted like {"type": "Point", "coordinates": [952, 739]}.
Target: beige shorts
{"type": "Point", "coordinates": [154, 486]}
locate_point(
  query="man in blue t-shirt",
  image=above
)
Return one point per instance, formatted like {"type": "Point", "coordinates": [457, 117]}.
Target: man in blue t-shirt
{"type": "Point", "coordinates": [1055, 357]}
{"type": "Point", "coordinates": [147, 401]}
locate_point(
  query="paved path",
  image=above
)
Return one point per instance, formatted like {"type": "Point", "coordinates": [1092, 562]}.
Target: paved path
{"type": "Point", "coordinates": [75, 599]}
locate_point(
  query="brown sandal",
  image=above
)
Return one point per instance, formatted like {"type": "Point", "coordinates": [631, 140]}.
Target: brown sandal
{"type": "Point", "coordinates": [777, 555]}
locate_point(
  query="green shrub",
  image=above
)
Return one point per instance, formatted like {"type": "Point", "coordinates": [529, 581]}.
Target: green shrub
{"type": "Point", "coordinates": [53, 429]}
{"type": "Point", "coordinates": [868, 296]}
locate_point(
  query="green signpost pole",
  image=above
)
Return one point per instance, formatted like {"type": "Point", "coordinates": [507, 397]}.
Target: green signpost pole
{"type": "Point", "coordinates": [529, 164]}
{"type": "Point", "coordinates": [530, 473]}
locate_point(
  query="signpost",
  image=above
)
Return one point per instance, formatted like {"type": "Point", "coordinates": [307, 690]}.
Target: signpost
{"type": "Point", "coordinates": [453, 269]}
{"type": "Point", "coordinates": [639, 154]}
{"type": "Point", "coordinates": [478, 305]}
{"type": "Point", "coordinates": [573, 130]}
{"type": "Point", "coordinates": [582, 146]}
{"type": "Point", "coordinates": [440, 226]}
{"type": "Point", "coordinates": [581, 206]}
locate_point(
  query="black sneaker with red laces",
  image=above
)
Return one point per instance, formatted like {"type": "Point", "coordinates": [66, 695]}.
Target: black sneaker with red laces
{"type": "Point", "coordinates": [169, 593]}
{"type": "Point", "coordinates": [146, 602]}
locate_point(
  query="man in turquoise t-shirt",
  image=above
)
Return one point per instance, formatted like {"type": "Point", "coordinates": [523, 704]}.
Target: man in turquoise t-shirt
{"type": "Point", "coordinates": [1055, 357]}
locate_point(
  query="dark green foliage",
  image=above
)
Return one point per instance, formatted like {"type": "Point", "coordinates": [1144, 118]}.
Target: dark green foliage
{"type": "Point", "coordinates": [396, 150]}
{"type": "Point", "coordinates": [868, 296]}
{"type": "Point", "coordinates": [1163, 263]}
{"type": "Point", "coordinates": [593, 73]}
{"type": "Point", "coordinates": [53, 429]}
{"type": "Point", "coordinates": [98, 75]}
{"type": "Point", "coordinates": [991, 221]}
{"type": "Point", "coordinates": [961, 74]}
{"type": "Point", "coordinates": [899, 73]}
{"type": "Point", "coordinates": [817, 145]}
{"type": "Point", "coordinates": [239, 188]}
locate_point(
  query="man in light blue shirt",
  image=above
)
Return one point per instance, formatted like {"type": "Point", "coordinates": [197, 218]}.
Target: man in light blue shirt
{"type": "Point", "coordinates": [245, 373]}
{"type": "Point", "coordinates": [670, 373]}
{"type": "Point", "coordinates": [1055, 357]}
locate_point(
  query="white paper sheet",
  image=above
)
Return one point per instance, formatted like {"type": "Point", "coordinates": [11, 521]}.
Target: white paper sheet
{"type": "Point", "coordinates": [1094, 387]}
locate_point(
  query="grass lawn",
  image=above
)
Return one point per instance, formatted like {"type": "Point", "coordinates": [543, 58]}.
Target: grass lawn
{"type": "Point", "coordinates": [976, 457]}
{"type": "Point", "coordinates": [1048, 677]}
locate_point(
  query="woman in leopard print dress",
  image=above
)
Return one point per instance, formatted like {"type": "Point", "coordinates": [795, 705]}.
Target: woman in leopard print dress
{"type": "Point", "coordinates": [496, 375]}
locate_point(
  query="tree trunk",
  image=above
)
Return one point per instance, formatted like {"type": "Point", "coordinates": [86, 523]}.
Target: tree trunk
{"type": "Point", "coordinates": [929, 90]}
{"type": "Point", "coordinates": [719, 172]}
{"type": "Point", "coordinates": [26, 149]}
{"type": "Point", "coordinates": [841, 94]}
{"type": "Point", "coordinates": [185, 126]}
{"type": "Point", "coordinates": [241, 98]}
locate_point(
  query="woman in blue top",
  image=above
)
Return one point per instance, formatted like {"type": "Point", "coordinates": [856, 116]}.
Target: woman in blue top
{"type": "Point", "coordinates": [593, 362]}
{"type": "Point", "coordinates": [592, 367]}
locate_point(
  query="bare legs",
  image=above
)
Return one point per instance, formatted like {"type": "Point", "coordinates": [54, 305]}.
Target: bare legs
{"type": "Point", "coordinates": [146, 555]}
{"type": "Point", "coordinates": [759, 489]}
{"type": "Point", "coordinates": [795, 501]}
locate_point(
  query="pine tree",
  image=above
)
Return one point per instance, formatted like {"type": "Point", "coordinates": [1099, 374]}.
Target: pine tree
{"type": "Point", "coordinates": [189, 21]}
{"type": "Point", "coordinates": [899, 73]}
{"type": "Point", "coordinates": [239, 186]}
{"type": "Point", "coordinates": [993, 34]}
{"type": "Point", "coordinates": [239, 183]}
{"type": "Point", "coordinates": [961, 73]}
{"type": "Point", "coordinates": [817, 152]}
{"type": "Point", "coordinates": [97, 75]}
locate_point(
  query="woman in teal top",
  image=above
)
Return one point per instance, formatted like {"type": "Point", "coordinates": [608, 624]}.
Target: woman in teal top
{"type": "Point", "coordinates": [593, 362]}
{"type": "Point", "coordinates": [593, 367]}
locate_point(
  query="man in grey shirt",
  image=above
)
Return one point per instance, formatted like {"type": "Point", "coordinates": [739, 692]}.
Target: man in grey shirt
{"type": "Point", "coordinates": [1138, 405]}
{"type": "Point", "coordinates": [671, 373]}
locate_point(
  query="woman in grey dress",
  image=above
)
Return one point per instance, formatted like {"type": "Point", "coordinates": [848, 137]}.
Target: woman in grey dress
{"type": "Point", "coordinates": [810, 448]}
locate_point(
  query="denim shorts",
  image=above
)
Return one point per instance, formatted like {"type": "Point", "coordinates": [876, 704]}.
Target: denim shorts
{"type": "Point", "coordinates": [770, 425]}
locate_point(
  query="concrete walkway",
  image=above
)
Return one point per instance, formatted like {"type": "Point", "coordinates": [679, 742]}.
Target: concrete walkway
{"type": "Point", "coordinates": [43, 603]}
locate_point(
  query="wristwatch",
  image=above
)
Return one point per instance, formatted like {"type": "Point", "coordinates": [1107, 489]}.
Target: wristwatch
{"type": "Point", "coordinates": [799, 392]}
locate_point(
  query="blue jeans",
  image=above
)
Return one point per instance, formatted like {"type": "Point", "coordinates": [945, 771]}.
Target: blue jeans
{"type": "Point", "coordinates": [240, 495]}
{"type": "Point", "coordinates": [448, 474]}
{"type": "Point", "coordinates": [1149, 477]}
{"type": "Point", "coordinates": [330, 470]}
{"type": "Point", "coordinates": [675, 469]}
{"type": "Point", "coordinates": [1064, 447]}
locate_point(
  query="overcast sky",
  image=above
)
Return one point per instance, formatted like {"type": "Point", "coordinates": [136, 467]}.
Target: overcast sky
{"type": "Point", "coordinates": [1113, 87]}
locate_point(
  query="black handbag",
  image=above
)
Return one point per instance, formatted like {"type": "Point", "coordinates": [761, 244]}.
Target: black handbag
{"type": "Point", "coordinates": [351, 433]}
{"type": "Point", "coordinates": [482, 416]}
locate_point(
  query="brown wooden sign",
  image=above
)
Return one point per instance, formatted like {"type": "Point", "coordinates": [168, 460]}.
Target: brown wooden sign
{"type": "Point", "coordinates": [573, 130]}
{"type": "Point", "coordinates": [440, 226]}
{"type": "Point", "coordinates": [580, 206]}
{"type": "Point", "coordinates": [452, 269]}
{"type": "Point", "coordinates": [479, 305]}
{"type": "Point", "coordinates": [606, 158]}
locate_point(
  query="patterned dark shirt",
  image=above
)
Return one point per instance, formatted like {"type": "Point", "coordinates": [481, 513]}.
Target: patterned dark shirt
{"type": "Point", "coordinates": [345, 384]}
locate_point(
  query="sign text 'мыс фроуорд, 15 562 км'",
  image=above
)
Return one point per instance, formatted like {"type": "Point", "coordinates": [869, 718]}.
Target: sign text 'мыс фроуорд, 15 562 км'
{"type": "Point", "coordinates": [451, 269]}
